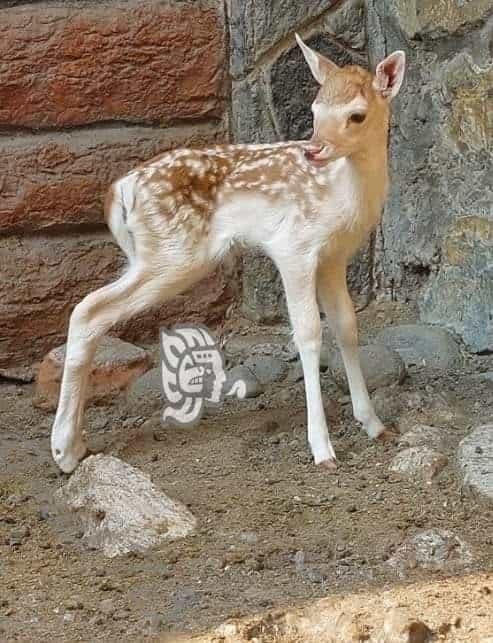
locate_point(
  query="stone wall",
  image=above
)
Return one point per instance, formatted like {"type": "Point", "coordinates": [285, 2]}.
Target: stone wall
{"type": "Point", "coordinates": [435, 242]}
{"type": "Point", "coordinates": [87, 90]}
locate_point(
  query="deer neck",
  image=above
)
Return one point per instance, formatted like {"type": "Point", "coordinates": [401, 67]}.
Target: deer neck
{"type": "Point", "coordinates": [369, 165]}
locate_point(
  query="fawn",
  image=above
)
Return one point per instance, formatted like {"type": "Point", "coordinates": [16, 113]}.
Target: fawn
{"type": "Point", "coordinates": [308, 204]}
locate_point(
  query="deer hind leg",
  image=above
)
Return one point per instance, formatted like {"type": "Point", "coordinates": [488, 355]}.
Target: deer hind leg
{"type": "Point", "coordinates": [300, 288]}
{"type": "Point", "coordinates": [336, 301]}
{"type": "Point", "coordinates": [133, 293]}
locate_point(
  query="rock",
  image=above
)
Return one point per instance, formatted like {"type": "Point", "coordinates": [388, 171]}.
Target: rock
{"type": "Point", "coordinates": [433, 20]}
{"type": "Point", "coordinates": [145, 394]}
{"type": "Point", "coordinates": [268, 370]}
{"type": "Point", "coordinates": [74, 603]}
{"type": "Point", "coordinates": [388, 404]}
{"type": "Point", "coordinates": [475, 457]}
{"type": "Point", "coordinates": [401, 627]}
{"type": "Point", "coordinates": [23, 374]}
{"type": "Point", "coordinates": [107, 606]}
{"type": "Point", "coordinates": [460, 296]}
{"type": "Point", "coordinates": [90, 75]}
{"type": "Point", "coordinates": [381, 367]}
{"type": "Point", "coordinates": [240, 347]}
{"type": "Point", "coordinates": [253, 388]}
{"type": "Point", "coordinates": [256, 27]}
{"type": "Point", "coordinates": [115, 365]}
{"type": "Point", "coordinates": [420, 345]}
{"type": "Point", "coordinates": [434, 550]}
{"type": "Point", "coordinates": [262, 292]}
{"type": "Point", "coordinates": [419, 462]}
{"type": "Point", "coordinates": [119, 509]}
{"type": "Point", "coordinates": [422, 435]}
{"type": "Point", "coordinates": [295, 373]}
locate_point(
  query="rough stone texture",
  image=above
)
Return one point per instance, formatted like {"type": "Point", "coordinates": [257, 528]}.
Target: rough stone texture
{"type": "Point", "coordinates": [253, 387]}
{"type": "Point", "coordinates": [475, 457]}
{"type": "Point", "coordinates": [115, 365]}
{"type": "Point", "coordinates": [120, 510]}
{"type": "Point", "coordinates": [137, 62]}
{"type": "Point", "coordinates": [424, 346]}
{"type": "Point", "coordinates": [262, 293]}
{"type": "Point", "coordinates": [440, 163]}
{"type": "Point", "coordinates": [266, 369]}
{"type": "Point", "coordinates": [419, 462]}
{"type": "Point", "coordinates": [272, 91]}
{"type": "Point", "coordinates": [51, 275]}
{"type": "Point", "coordinates": [240, 347]}
{"type": "Point", "coordinates": [422, 435]}
{"type": "Point", "coordinates": [381, 366]}
{"type": "Point", "coordinates": [434, 550]}
{"type": "Point", "coordinates": [61, 179]}
{"type": "Point", "coordinates": [145, 394]}
{"type": "Point", "coordinates": [460, 295]}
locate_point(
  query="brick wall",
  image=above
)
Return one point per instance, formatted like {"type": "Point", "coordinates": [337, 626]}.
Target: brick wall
{"type": "Point", "coordinates": [87, 90]}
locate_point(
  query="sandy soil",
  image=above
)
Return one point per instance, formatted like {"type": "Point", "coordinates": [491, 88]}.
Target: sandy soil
{"type": "Point", "coordinates": [274, 531]}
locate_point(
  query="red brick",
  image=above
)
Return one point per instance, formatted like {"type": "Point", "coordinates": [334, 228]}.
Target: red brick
{"type": "Point", "coordinates": [60, 179]}
{"type": "Point", "coordinates": [138, 62]}
{"type": "Point", "coordinates": [41, 280]}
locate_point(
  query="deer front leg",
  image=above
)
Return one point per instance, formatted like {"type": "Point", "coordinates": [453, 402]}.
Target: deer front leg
{"type": "Point", "coordinates": [303, 309]}
{"type": "Point", "coordinates": [339, 309]}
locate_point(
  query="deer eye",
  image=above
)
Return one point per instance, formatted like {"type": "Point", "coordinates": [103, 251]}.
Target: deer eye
{"type": "Point", "coordinates": [357, 117]}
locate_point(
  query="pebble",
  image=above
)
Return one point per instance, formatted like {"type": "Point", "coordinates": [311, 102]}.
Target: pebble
{"type": "Point", "coordinates": [249, 537]}
{"type": "Point", "coordinates": [422, 345]}
{"type": "Point", "coordinates": [419, 462]}
{"type": "Point", "coordinates": [107, 606]}
{"type": "Point", "coordinates": [74, 603]}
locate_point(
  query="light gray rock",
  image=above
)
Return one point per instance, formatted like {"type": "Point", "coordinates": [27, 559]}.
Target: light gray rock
{"type": "Point", "coordinates": [422, 435]}
{"type": "Point", "coordinates": [144, 396]}
{"type": "Point", "coordinates": [419, 463]}
{"type": "Point", "coordinates": [421, 345]}
{"type": "Point", "coordinates": [240, 347]}
{"type": "Point", "coordinates": [119, 509]}
{"type": "Point", "coordinates": [381, 367]}
{"type": "Point", "coordinates": [475, 457]}
{"type": "Point", "coordinates": [267, 369]}
{"type": "Point", "coordinates": [253, 388]}
{"type": "Point", "coordinates": [432, 549]}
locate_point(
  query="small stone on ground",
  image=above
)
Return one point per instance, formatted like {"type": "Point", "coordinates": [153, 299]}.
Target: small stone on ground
{"type": "Point", "coordinates": [381, 367]}
{"type": "Point", "coordinates": [421, 345]}
{"type": "Point", "coordinates": [421, 462]}
{"type": "Point", "coordinates": [119, 508]}
{"type": "Point", "coordinates": [434, 550]}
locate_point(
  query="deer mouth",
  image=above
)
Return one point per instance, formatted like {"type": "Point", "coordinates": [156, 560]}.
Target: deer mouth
{"type": "Point", "coordinates": [318, 155]}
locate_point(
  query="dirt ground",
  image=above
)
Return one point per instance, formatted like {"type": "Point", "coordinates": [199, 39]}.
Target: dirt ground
{"type": "Point", "coordinates": [275, 532]}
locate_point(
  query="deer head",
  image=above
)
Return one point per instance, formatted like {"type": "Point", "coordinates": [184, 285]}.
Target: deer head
{"type": "Point", "coordinates": [352, 105]}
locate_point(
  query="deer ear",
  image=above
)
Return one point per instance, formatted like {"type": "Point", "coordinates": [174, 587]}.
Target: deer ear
{"type": "Point", "coordinates": [390, 74]}
{"type": "Point", "coordinates": [319, 65]}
